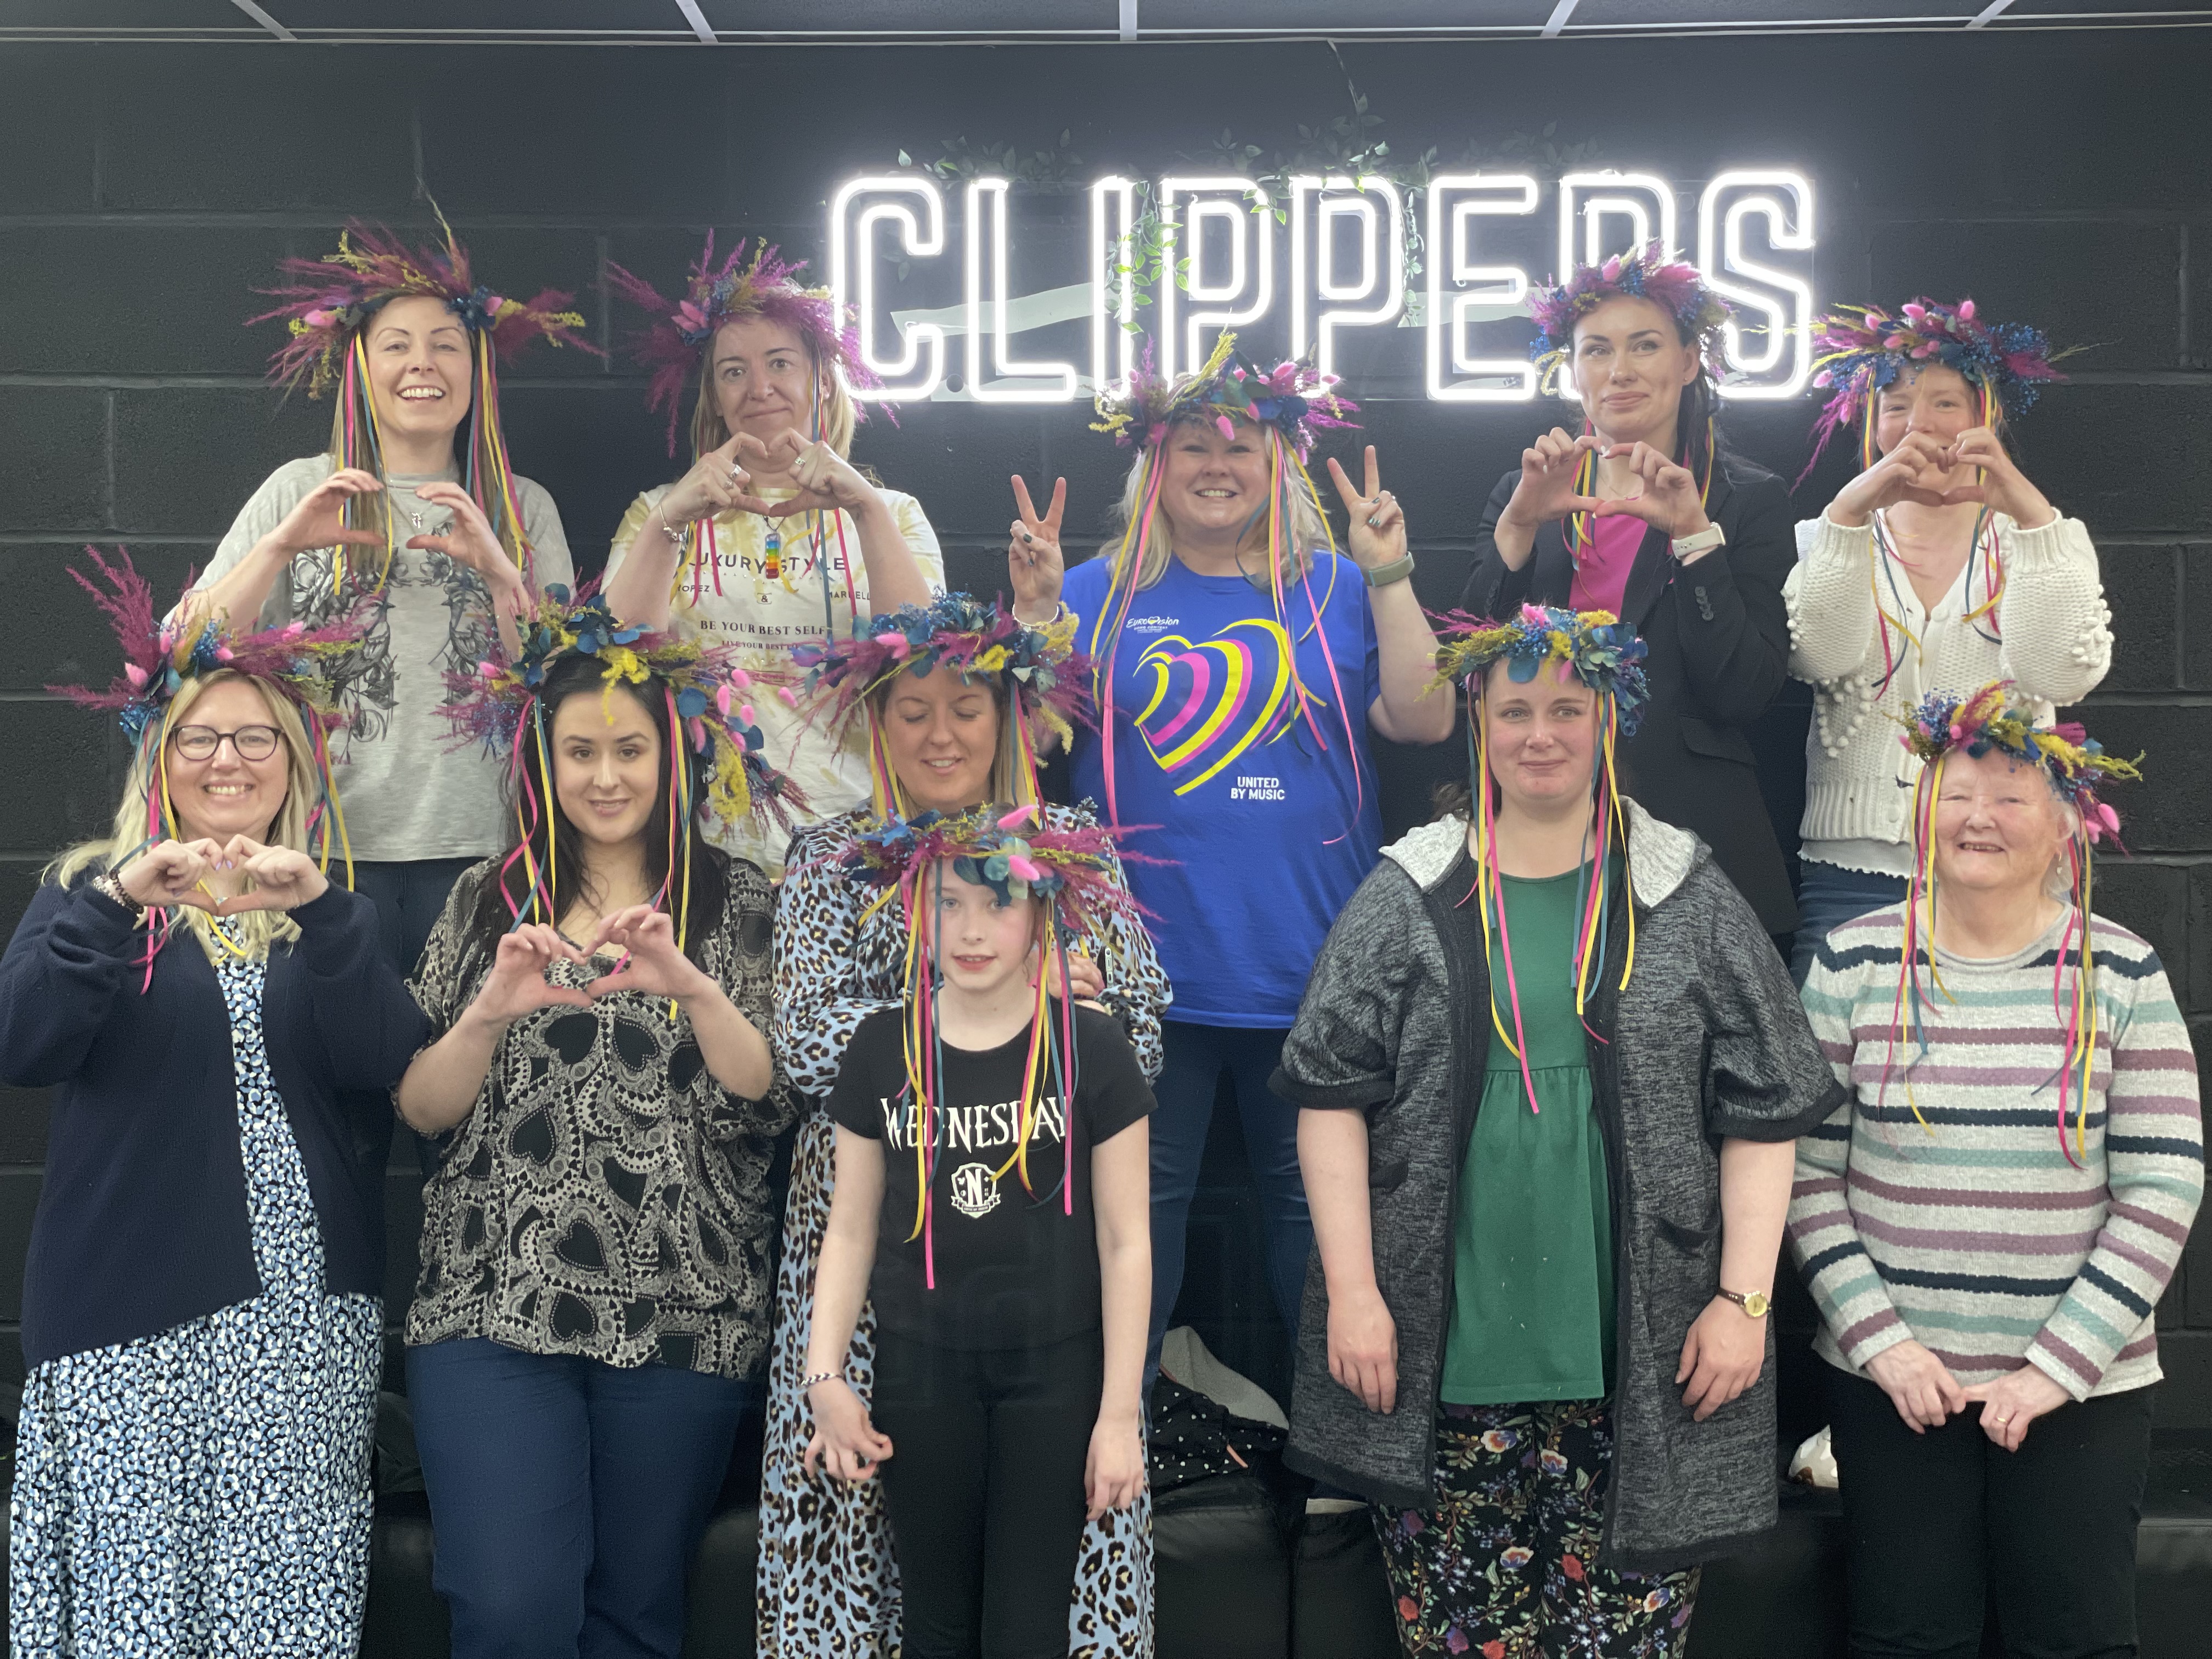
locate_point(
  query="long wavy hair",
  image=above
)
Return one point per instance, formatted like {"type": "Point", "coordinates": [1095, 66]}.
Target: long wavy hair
{"type": "Point", "coordinates": [547, 842]}
{"type": "Point", "coordinates": [255, 931]}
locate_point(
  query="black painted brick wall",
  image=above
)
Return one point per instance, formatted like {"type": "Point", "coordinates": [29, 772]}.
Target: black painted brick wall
{"type": "Point", "coordinates": [2063, 178]}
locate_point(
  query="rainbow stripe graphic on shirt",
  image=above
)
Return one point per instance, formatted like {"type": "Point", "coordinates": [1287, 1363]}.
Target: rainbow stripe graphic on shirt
{"type": "Point", "coordinates": [1201, 693]}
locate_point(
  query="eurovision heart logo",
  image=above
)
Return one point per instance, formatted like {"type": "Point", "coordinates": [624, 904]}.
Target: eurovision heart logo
{"type": "Point", "coordinates": [1212, 701]}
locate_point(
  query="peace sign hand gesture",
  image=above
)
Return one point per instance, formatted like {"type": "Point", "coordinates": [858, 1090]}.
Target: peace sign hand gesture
{"type": "Point", "coordinates": [1378, 523]}
{"type": "Point", "coordinates": [716, 483]}
{"type": "Point", "coordinates": [1670, 497]}
{"type": "Point", "coordinates": [1034, 567]}
{"type": "Point", "coordinates": [469, 541]}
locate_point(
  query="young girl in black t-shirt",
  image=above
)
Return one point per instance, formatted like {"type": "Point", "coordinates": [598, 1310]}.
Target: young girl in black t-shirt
{"type": "Point", "coordinates": [993, 1201]}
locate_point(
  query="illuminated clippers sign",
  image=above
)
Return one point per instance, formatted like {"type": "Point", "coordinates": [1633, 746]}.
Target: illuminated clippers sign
{"type": "Point", "coordinates": [1343, 269]}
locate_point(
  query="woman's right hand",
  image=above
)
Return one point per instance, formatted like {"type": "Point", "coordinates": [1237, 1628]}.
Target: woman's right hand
{"type": "Point", "coordinates": [846, 1443]}
{"type": "Point", "coordinates": [715, 483]}
{"type": "Point", "coordinates": [1918, 1384]}
{"type": "Point", "coordinates": [517, 983]}
{"type": "Point", "coordinates": [1546, 489]}
{"type": "Point", "coordinates": [318, 518]}
{"type": "Point", "coordinates": [170, 872]}
{"type": "Point", "coordinates": [1913, 471]}
{"type": "Point", "coordinates": [1363, 1349]}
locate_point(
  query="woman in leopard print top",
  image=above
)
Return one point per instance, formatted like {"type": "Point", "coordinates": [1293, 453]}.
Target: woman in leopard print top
{"type": "Point", "coordinates": [827, 1581]}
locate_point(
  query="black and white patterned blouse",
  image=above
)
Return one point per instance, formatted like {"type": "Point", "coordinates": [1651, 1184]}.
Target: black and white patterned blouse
{"type": "Point", "coordinates": [606, 1197]}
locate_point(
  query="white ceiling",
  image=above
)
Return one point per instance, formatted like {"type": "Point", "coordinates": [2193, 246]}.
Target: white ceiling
{"type": "Point", "coordinates": [703, 22]}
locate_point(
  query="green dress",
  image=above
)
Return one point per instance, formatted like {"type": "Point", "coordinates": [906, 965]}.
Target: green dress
{"type": "Point", "coordinates": [1532, 1316]}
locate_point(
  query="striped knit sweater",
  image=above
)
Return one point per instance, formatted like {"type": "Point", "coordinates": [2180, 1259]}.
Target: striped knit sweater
{"type": "Point", "coordinates": [1981, 1239]}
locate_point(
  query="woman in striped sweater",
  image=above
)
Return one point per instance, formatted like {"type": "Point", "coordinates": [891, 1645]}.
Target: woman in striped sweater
{"type": "Point", "coordinates": [1987, 1226]}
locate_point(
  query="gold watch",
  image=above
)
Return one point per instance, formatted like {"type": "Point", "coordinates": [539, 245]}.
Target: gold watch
{"type": "Point", "coordinates": [1755, 1304]}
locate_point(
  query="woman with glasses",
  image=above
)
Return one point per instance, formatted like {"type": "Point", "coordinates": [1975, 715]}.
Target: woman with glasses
{"type": "Point", "coordinates": [202, 1316]}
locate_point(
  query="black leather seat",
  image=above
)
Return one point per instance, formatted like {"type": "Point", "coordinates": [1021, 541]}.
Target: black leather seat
{"type": "Point", "coordinates": [1236, 1580]}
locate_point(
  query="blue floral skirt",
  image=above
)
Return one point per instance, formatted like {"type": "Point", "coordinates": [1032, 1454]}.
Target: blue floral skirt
{"type": "Point", "coordinates": [205, 1491]}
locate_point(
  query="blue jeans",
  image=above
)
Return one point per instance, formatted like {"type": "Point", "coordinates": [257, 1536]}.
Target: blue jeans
{"type": "Point", "coordinates": [408, 898]}
{"type": "Point", "coordinates": [567, 1496]}
{"type": "Point", "coordinates": [1829, 895]}
{"type": "Point", "coordinates": [1197, 1056]}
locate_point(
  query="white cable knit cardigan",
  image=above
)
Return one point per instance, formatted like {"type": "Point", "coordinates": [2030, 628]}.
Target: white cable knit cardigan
{"type": "Point", "coordinates": [2056, 645]}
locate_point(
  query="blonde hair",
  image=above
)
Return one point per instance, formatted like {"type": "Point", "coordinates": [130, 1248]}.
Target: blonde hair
{"type": "Point", "coordinates": [1308, 529]}
{"type": "Point", "coordinates": [127, 836]}
{"type": "Point", "coordinates": [709, 431]}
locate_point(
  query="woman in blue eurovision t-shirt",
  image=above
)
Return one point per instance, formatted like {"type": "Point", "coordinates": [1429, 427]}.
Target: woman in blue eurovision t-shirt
{"type": "Point", "coordinates": [1241, 664]}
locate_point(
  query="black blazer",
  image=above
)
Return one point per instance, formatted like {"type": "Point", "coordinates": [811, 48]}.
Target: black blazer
{"type": "Point", "coordinates": [1717, 635]}
{"type": "Point", "coordinates": [142, 1222]}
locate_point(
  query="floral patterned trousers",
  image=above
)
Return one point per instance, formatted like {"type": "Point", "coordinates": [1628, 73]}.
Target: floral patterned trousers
{"type": "Point", "coordinates": [1506, 1566]}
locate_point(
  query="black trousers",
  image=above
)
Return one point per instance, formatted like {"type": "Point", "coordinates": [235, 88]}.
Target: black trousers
{"type": "Point", "coordinates": [984, 1490]}
{"type": "Point", "coordinates": [1943, 1524]}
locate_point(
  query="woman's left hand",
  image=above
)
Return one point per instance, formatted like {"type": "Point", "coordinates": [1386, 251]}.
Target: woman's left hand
{"type": "Point", "coordinates": [1114, 1473]}
{"type": "Point", "coordinates": [2015, 1401]}
{"type": "Point", "coordinates": [1086, 983]}
{"type": "Point", "coordinates": [282, 878]}
{"type": "Point", "coordinates": [651, 962]}
{"type": "Point", "coordinates": [2003, 487]}
{"type": "Point", "coordinates": [1034, 567]}
{"type": "Point", "coordinates": [1670, 499]}
{"type": "Point", "coordinates": [1720, 1357]}
{"type": "Point", "coordinates": [469, 540]}
{"type": "Point", "coordinates": [1377, 536]}
{"type": "Point", "coordinates": [825, 480]}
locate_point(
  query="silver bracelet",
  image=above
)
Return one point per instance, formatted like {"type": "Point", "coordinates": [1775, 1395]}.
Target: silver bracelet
{"type": "Point", "coordinates": [681, 538]}
{"type": "Point", "coordinates": [806, 1385]}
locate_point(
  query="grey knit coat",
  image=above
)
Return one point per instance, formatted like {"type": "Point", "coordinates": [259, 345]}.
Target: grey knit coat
{"type": "Point", "coordinates": [1707, 1043]}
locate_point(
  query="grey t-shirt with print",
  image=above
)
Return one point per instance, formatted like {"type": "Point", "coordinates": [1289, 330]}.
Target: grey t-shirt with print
{"type": "Point", "coordinates": [405, 789]}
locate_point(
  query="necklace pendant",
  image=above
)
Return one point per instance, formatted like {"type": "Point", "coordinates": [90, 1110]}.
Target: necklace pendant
{"type": "Point", "coordinates": [772, 553]}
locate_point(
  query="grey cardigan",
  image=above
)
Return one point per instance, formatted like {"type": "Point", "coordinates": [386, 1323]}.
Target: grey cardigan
{"type": "Point", "coordinates": [1708, 1041]}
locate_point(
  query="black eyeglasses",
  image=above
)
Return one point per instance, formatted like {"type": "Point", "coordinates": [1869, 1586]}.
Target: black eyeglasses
{"type": "Point", "coordinates": [199, 743]}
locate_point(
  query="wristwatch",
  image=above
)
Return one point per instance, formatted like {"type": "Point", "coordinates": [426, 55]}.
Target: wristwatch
{"type": "Point", "coordinates": [1396, 571]}
{"type": "Point", "coordinates": [1755, 1304]}
{"type": "Point", "coordinates": [1704, 541]}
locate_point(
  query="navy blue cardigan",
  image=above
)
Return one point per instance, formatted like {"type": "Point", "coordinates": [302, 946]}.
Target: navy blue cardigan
{"type": "Point", "coordinates": [142, 1223]}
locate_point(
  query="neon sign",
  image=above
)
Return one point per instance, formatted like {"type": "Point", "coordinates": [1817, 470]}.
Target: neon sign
{"type": "Point", "coordinates": [1345, 269]}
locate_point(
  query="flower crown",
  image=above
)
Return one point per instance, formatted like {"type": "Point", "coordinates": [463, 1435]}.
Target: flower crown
{"type": "Point", "coordinates": [1293, 398]}
{"type": "Point", "coordinates": [338, 292]}
{"type": "Point", "coordinates": [738, 290]}
{"type": "Point", "coordinates": [1677, 288]}
{"type": "Point", "coordinates": [1862, 348]}
{"type": "Point", "coordinates": [312, 667]}
{"type": "Point", "coordinates": [975, 639]}
{"type": "Point", "coordinates": [1603, 653]}
{"type": "Point", "coordinates": [491, 705]}
{"type": "Point", "coordinates": [1011, 852]}
{"type": "Point", "coordinates": [1997, 717]}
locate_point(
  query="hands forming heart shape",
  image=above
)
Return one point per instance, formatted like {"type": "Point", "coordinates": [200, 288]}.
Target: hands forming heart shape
{"type": "Point", "coordinates": [729, 477]}
{"type": "Point", "coordinates": [176, 872]}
